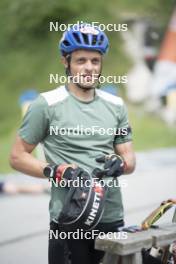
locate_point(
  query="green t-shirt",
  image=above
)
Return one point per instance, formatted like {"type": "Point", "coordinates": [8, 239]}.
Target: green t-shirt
{"type": "Point", "coordinates": [74, 131]}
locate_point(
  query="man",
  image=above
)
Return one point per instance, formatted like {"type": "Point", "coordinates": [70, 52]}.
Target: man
{"type": "Point", "coordinates": [80, 113]}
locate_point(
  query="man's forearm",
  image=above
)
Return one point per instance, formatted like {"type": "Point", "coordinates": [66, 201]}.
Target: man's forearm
{"type": "Point", "coordinates": [28, 164]}
{"type": "Point", "coordinates": [130, 163]}
{"type": "Point", "coordinates": [126, 151]}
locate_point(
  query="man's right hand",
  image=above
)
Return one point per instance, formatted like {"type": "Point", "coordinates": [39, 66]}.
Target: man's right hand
{"type": "Point", "coordinates": [59, 172]}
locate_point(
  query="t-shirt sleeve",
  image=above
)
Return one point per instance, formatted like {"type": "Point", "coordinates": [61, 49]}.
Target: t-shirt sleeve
{"type": "Point", "coordinates": [35, 123]}
{"type": "Point", "coordinates": [124, 132]}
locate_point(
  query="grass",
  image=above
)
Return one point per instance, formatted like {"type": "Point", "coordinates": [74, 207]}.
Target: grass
{"type": "Point", "coordinates": [5, 146]}
{"type": "Point", "coordinates": [149, 131]}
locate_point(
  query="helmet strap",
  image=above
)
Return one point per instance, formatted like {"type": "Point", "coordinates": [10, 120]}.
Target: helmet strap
{"type": "Point", "coordinates": [67, 70]}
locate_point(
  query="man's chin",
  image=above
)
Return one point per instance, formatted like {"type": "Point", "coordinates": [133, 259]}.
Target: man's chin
{"type": "Point", "coordinates": [87, 86]}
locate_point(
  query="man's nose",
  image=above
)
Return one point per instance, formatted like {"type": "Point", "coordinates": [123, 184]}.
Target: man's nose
{"type": "Point", "coordinates": [88, 65]}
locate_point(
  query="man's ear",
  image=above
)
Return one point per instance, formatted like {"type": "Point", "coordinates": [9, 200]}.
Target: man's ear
{"type": "Point", "coordinates": [64, 61]}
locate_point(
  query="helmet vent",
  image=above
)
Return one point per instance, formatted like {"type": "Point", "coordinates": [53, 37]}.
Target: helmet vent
{"type": "Point", "coordinates": [77, 37]}
{"type": "Point", "coordinates": [94, 40]}
{"type": "Point", "coordinates": [101, 40]}
{"type": "Point", "coordinates": [85, 37]}
{"type": "Point", "coordinates": [66, 43]}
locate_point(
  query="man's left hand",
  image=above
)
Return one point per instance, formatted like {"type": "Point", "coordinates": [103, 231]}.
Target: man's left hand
{"type": "Point", "coordinates": [113, 164]}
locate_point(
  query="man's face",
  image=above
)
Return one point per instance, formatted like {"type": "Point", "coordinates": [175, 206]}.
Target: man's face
{"type": "Point", "coordinates": [87, 66]}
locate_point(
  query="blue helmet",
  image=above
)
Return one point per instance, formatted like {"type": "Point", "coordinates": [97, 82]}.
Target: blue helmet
{"type": "Point", "coordinates": [83, 36]}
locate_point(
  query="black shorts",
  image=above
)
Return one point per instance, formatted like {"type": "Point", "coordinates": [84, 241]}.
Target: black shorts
{"type": "Point", "coordinates": [76, 251]}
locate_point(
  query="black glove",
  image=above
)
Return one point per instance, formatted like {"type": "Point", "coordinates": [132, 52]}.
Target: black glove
{"type": "Point", "coordinates": [113, 164]}
{"type": "Point", "coordinates": [59, 172]}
